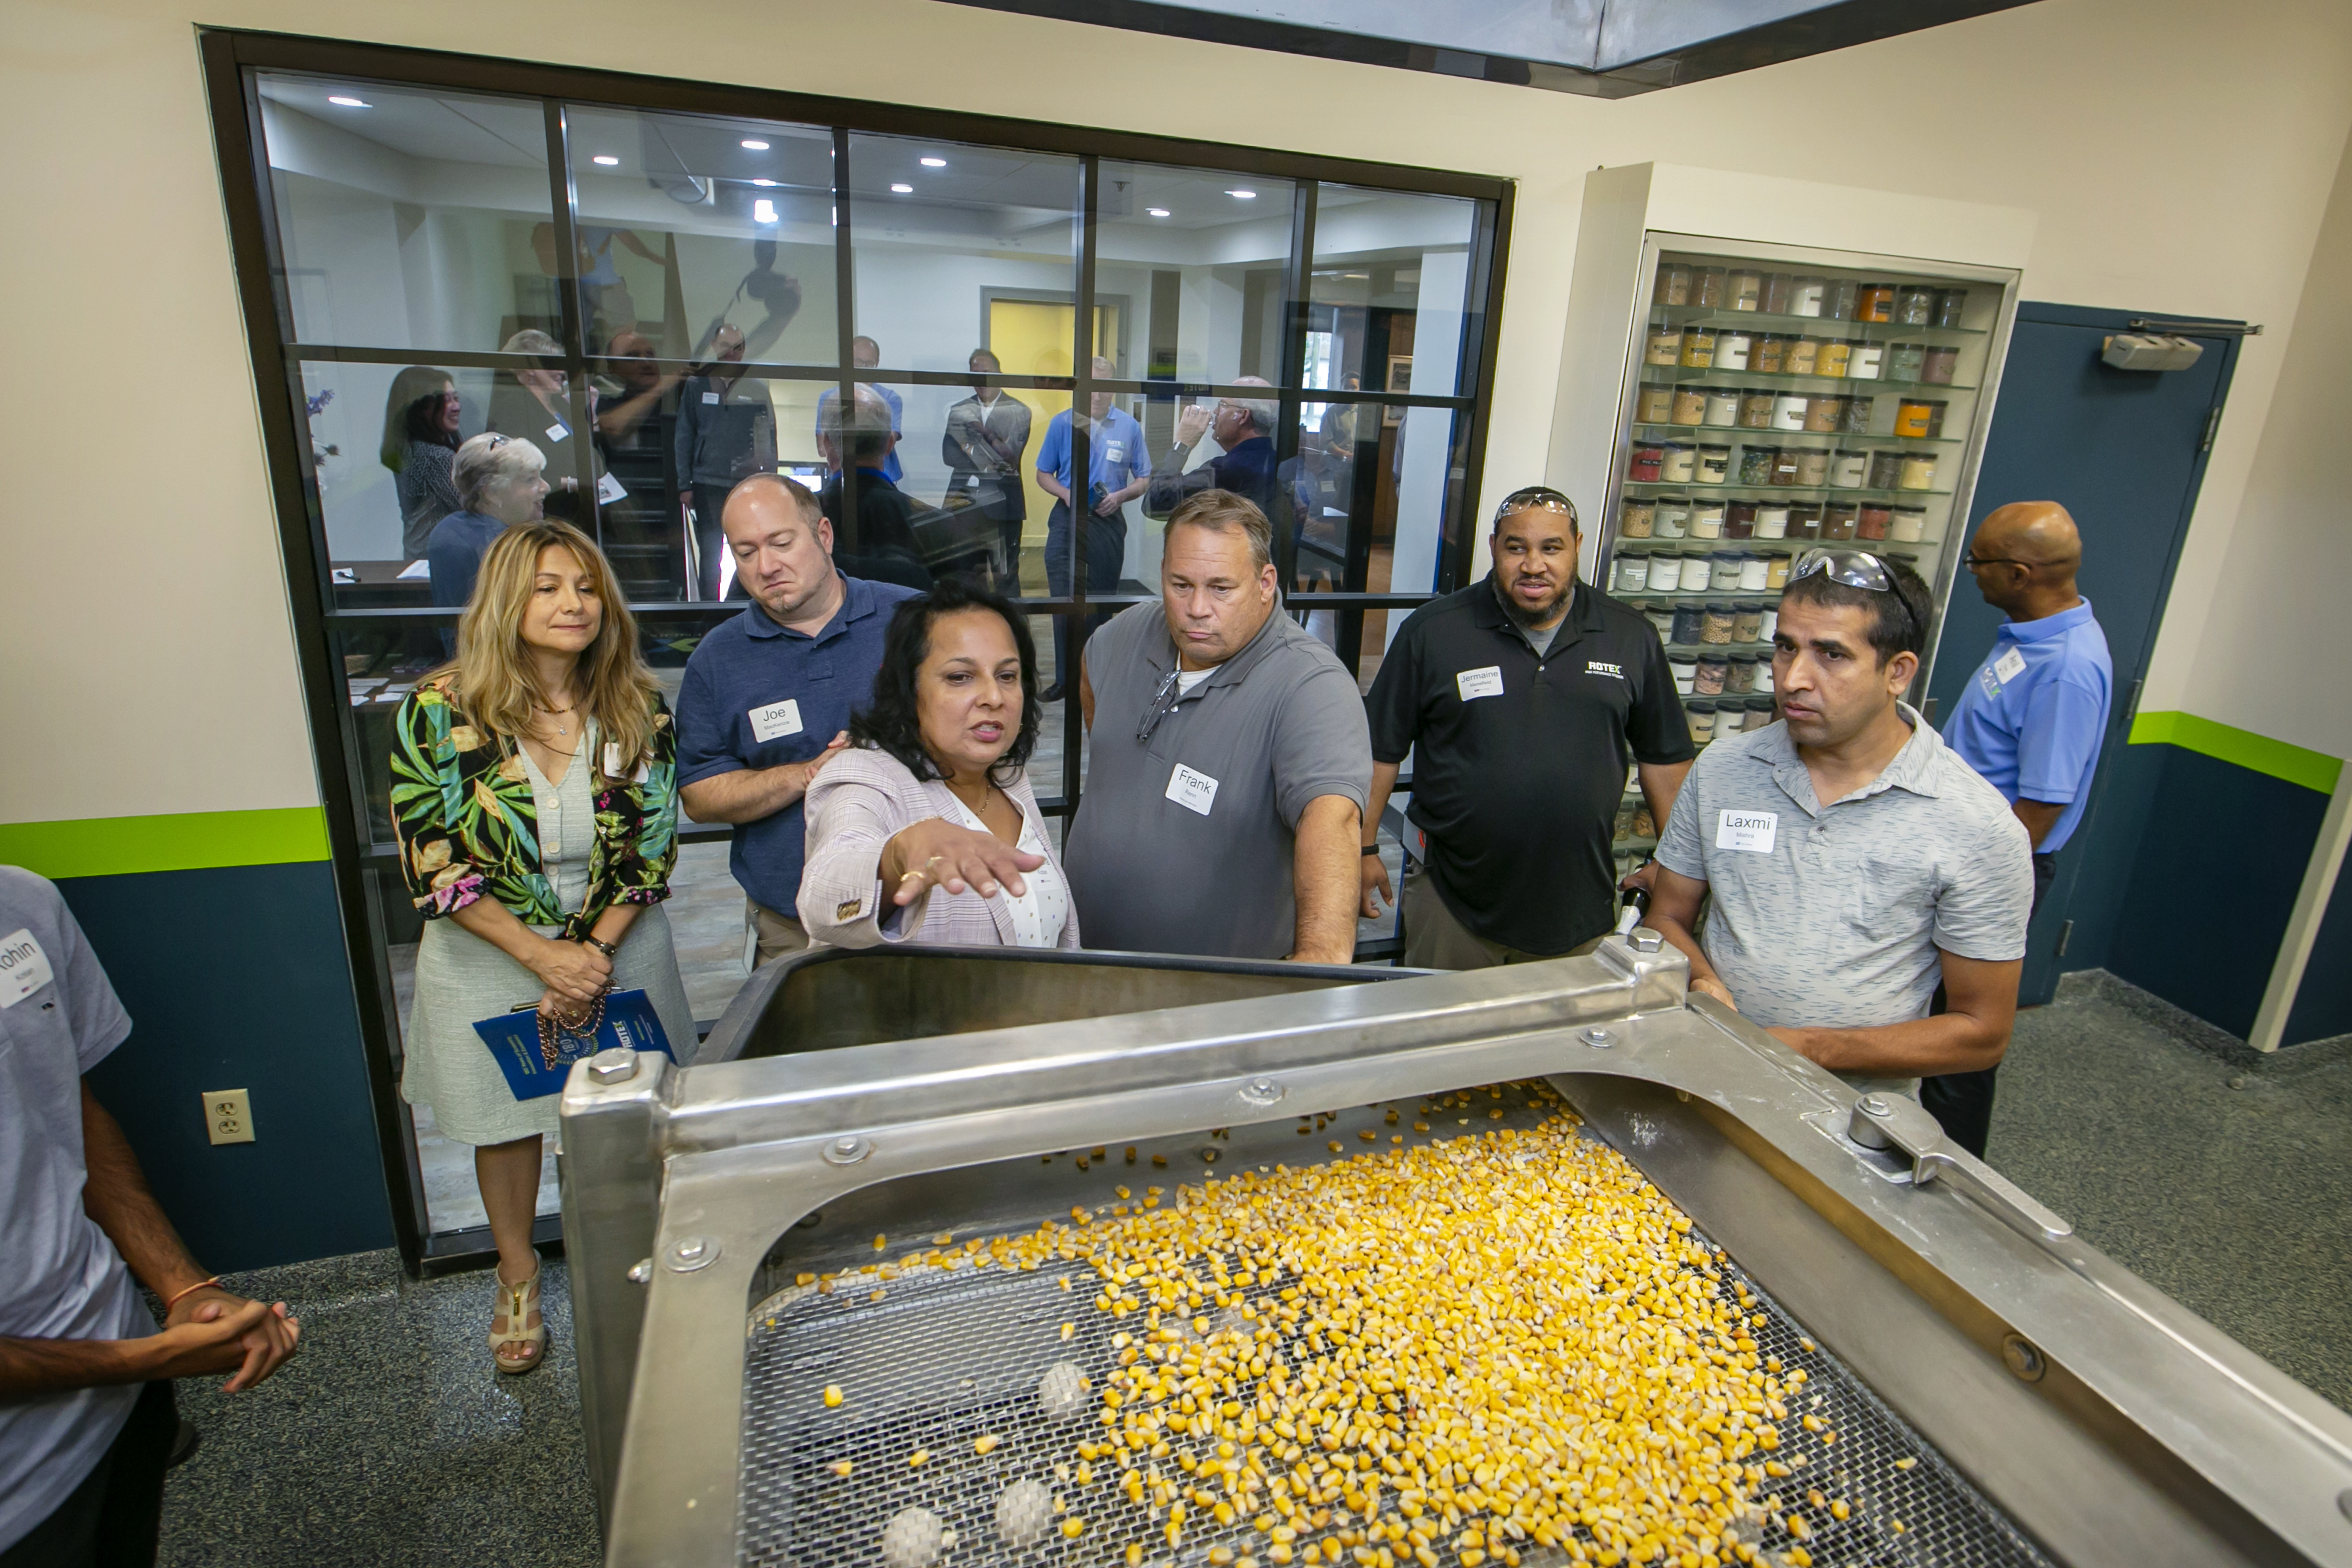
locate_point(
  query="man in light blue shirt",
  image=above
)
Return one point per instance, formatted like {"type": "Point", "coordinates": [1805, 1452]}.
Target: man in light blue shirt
{"type": "Point", "coordinates": [2030, 721]}
{"type": "Point", "coordinates": [864, 354]}
{"type": "Point", "coordinates": [1117, 470]}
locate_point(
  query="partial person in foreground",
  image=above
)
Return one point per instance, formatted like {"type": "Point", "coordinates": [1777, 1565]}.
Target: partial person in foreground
{"type": "Point", "coordinates": [1522, 699]}
{"type": "Point", "coordinates": [87, 1417]}
{"type": "Point", "coordinates": [1854, 859]}
{"type": "Point", "coordinates": [768, 695]}
{"type": "Point", "coordinates": [2031, 721]}
{"type": "Point", "coordinates": [1230, 761]}
{"type": "Point", "coordinates": [925, 828]}
{"type": "Point", "coordinates": [534, 799]}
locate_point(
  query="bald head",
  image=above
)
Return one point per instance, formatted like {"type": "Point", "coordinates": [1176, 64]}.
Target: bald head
{"type": "Point", "coordinates": [2025, 557]}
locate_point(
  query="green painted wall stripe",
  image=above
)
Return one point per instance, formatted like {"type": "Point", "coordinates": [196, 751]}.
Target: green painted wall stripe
{"type": "Point", "coordinates": [189, 841]}
{"type": "Point", "coordinates": [2311, 770]}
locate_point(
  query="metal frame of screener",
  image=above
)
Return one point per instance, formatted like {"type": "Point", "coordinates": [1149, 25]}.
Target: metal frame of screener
{"type": "Point", "coordinates": [2106, 1420]}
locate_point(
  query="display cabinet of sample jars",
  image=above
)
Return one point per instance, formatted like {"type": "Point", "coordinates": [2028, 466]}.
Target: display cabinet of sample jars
{"type": "Point", "coordinates": [1776, 399]}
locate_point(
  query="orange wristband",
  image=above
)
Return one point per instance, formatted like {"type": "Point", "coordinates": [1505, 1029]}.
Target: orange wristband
{"type": "Point", "coordinates": [190, 1290]}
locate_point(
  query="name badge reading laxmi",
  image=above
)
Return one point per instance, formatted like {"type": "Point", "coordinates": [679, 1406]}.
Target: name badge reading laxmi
{"type": "Point", "coordinates": [1749, 830]}
{"type": "Point", "coordinates": [1193, 791]}
{"type": "Point", "coordinates": [776, 721]}
{"type": "Point", "coordinates": [1486, 682]}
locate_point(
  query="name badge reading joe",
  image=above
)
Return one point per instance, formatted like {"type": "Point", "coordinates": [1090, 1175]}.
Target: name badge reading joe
{"type": "Point", "coordinates": [1750, 830]}
{"type": "Point", "coordinates": [776, 721]}
{"type": "Point", "coordinates": [1193, 791]}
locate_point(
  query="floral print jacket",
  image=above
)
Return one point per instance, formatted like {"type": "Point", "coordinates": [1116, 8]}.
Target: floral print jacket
{"type": "Point", "coordinates": [469, 828]}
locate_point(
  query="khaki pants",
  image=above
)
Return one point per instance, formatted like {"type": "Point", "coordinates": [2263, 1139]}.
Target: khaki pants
{"type": "Point", "coordinates": [1434, 939]}
{"type": "Point", "coordinates": [778, 935]}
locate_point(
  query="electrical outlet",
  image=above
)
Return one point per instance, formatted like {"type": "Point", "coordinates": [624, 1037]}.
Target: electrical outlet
{"type": "Point", "coordinates": [228, 1116]}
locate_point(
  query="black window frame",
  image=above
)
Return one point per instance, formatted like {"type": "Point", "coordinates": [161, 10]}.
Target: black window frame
{"type": "Point", "coordinates": [232, 60]}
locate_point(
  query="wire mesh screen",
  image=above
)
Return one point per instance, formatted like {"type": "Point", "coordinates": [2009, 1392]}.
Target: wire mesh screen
{"type": "Point", "coordinates": [1441, 1333]}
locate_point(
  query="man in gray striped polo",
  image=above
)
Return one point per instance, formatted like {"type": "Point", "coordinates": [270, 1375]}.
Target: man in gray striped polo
{"type": "Point", "coordinates": [1832, 923]}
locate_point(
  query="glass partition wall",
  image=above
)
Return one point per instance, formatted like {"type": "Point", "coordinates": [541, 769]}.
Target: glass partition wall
{"type": "Point", "coordinates": [666, 286]}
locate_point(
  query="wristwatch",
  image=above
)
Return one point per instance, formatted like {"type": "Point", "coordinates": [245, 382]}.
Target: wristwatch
{"type": "Point", "coordinates": [606, 948]}
{"type": "Point", "coordinates": [1371, 848]}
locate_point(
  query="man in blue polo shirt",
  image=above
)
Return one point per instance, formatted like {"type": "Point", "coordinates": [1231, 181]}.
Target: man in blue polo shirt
{"type": "Point", "coordinates": [1117, 470]}
{"type": "Point", "coordinates": [2030, 721]}
{"type": "Point", "coordinates": [768, 694]}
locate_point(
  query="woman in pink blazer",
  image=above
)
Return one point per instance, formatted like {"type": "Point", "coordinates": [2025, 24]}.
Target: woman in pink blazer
{"type": "Point", "coordinates": [924, 827]}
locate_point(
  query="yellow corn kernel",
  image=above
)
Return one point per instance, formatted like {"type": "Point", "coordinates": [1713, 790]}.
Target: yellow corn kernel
{"type": "Point", "coordinates": [803, 1279]}
{"type": "Point", "coordinates": [842, 1468]}
{"type": "Point", "coordinates": [1074, 1527]}
{"type": "Point", "coordinates": [919, 1458]}
{"type": "Point", "coordinates": [1068, 1330]}
{"type": "Point", "coordinates": [1280, 1552]}
{"type": "Point", "coordinates": [831, 1397]}
{"type": "Point", "coordinates": [880, 1242]}
{"type": "Point", "coordinates": [1135, 1554]}
{"type": "Point", "coordinates": [1221, 1555]}
{"type": "Point", "coordinates": [986, 1444]}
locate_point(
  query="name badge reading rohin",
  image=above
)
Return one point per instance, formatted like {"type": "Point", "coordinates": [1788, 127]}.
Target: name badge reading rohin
{"type": "Point", "coordinates": [776, 721]}
{"type": "Point", "coordinates": [1193, 791]}
{"type": "Point", "coordinates": [25, 968]}
{"type": "Point", "coordinates": [2008, 666]}
{"type": "Point", "coordinates": [1474, 683]}
{"type": "Point", "coordinates": [1750, 830]}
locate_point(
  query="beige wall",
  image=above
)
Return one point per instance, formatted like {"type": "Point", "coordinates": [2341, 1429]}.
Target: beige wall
{"type": "Point", "coordinates": [2178, 156]}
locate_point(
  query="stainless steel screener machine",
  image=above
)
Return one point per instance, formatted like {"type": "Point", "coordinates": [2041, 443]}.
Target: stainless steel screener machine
{"type": "Point", "coordinates": [1545, 1264]}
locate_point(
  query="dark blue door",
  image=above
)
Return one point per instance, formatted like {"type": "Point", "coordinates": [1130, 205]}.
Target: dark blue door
{"type": "Point", "coordinates": [2123, 451]}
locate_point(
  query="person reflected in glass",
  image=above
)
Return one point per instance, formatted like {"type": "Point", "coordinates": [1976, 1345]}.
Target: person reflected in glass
{"type": "Point", "coordinates": [1118, 470]}
{"type": "Point", "coordinates": [534, 807]}
{"type": "Point", "coordinates": [534, 405]}
{"type": "Point", "coordinates": [420, 441]}
{"type": "Point", "coordinates": [726, 432]}
{"type": "Point", "coordinates": [987, 434]}
{"type": "Point", "coordinates": [924, 827]}
{"type": "Point", "coordinates": [500, 485]}
{"type": "Point", "coordinates": [635, 411]}
{"type": "Point", "coordinates": [878, 541]}
{"type": "Point", "coordinates": [864, 354]}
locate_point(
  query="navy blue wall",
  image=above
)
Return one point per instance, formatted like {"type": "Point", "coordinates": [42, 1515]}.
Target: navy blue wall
{"type": "Point", "coordinates": [2218, 863]}
{"type": "Point", "coordinates": [2323, 1003]}
{"type": "Point", "coordinates": [235, 978]}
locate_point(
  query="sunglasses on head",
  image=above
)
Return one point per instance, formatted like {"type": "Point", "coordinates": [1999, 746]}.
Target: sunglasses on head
{"type": "Point", "coordinates": [1856, 569]}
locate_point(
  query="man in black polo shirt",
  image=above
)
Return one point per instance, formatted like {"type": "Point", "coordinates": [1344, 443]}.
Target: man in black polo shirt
{"type": "Point", "coordinates": [1521, 698]}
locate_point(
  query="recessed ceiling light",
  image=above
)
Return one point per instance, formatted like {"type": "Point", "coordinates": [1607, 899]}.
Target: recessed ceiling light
{"type": "Point", "coordinates": [1157, 212]}
{"type": "Point", "coordinates": [1359, 276]}
{"type": "Point", "coordinates": [902, 190]}
{"type": "Point", "coordinates": [935, 162]}
{"type": "Point", "coordinates": [1243, 195]}
{"type": "Point", "coordinates": [342, 103]}
{"type": "Point", "coordinates": [764, 184]}
{"type": "Point", "coordinates": [753, 145]}
{"type": "Point", "coordinates": [607, 160]}
{"type": "Point", "coordinates": [763, 211]}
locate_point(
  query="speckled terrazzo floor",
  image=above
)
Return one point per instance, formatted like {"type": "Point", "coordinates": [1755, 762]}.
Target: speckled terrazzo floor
{"type": "Point", "coordinates": [392, 1443]}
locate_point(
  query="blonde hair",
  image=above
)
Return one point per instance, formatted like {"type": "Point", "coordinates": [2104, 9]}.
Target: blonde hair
{"type": "Point", "coordinates": [492, 680]}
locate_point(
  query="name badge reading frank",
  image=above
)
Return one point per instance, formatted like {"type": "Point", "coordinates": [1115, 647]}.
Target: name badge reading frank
{"type": "Point", "coordinates": [1193, 791]}
{"type": "Point", "coordinates": [1750, 830]}
{"type": "Point", "coordinates": [776, 721]}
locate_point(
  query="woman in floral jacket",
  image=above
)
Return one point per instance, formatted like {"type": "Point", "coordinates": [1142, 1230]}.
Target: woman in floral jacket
{"type": "Point", "coordinates": [534, 798]}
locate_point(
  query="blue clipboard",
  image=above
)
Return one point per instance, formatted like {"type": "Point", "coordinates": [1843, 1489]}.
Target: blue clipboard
{"type": "Point", "coordinates": [513, 1039]}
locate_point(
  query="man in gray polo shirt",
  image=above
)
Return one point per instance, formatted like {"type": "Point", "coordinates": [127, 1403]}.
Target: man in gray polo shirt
{"type": "Point", "coordinates": [1231, 761]}
{"type": "Point", "coordinates": [1832, 923]}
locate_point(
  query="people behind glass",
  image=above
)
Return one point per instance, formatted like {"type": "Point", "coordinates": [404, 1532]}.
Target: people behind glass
{"type": "Point", "coordinates": [768, 694]}
{"type": "Point", "coordinates": [534, 405]}
{"type": "Point", "coordinates": [1119, 470]}
{"type": "Point", "coordinates": [499, 485]}
{"type": "Point", "coordinates": [420, 438]}
{"type": "Point", "coordinates": [925, 825]}
{"type": "Point", "coordinates": [864, 354]}
{"type": "Point", "coordinates": [726, 432]}
{"type": "Point", "coordinates": [640, 526]}
{"type": "Point", "coordinates": [533, 800]}
{"type": "Point", "coordinates": [877, 540]}
{"type": "Point", "coordinates": [1243, 429]}
{"type": "Point", "coordinates": [986, 437]}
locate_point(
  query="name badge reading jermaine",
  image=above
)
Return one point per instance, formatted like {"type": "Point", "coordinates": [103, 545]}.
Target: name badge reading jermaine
{"type": "Point", "coordinates": [24, 967]}
{"type": "Point", "coordinates": [1750, 830]}
{"type": "Point", "coordinates": [2008, 666]}
{"type": "Point", "coordinates": [1193, 791]}
{"type": "Point", "coordinates": [1474, 683]}
{"type": "Point", "coordinates": [776, 721]}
